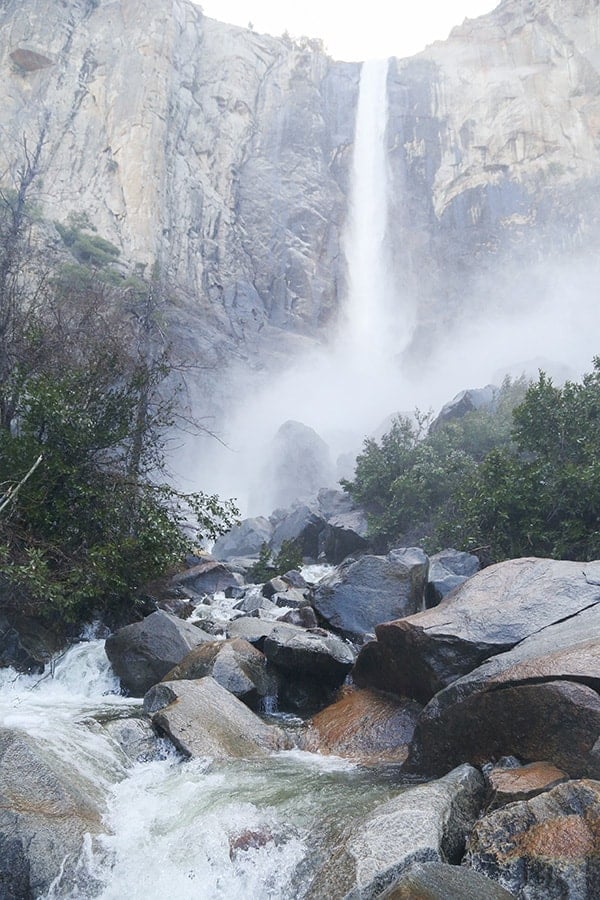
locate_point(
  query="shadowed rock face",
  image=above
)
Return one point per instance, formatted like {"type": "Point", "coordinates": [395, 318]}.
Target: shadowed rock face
{"type": "Point", "coordinates": [538, 700]}
{"type": "Point", "coordinates": [548, 846]}
{"type": "Point", "coordinates": [141, 654]}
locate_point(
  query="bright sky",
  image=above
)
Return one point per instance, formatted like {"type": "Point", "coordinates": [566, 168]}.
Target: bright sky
{"type": "Point", "coordinates": [354, 31]}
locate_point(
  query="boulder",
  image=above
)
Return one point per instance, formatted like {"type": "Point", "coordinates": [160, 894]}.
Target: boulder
{"type": "Point", "coordinates": [141, 654]}
{"type": "Point", "coordinates": [316, 654]}
{"type": "Point", "coordinates": [508, 785]}
{"type": "Point", "coordinates": [207, 577]}
{"type": "Point", "coordinates": [466, 402]}
{"type": "Point", "coordinates": [304, 616]}
{"type": "Point", "coordinates": [251, 629]}
{"type": "Point", "coordinates": [360, 594]}
{"type": "Point", "coordinates": [364, 726]}
{"type": "Point", "coordinates": [538, 701]}
{"type": "Point", "coordinates": [487, 615]}
{"type": "Point", "coordinates": [202, 719]}
{"type": "Point", "coordinates": [46, 809]}
{"type": "Point", "coordinates": [545, 847]}
{"type": "Point", "coordinates": [447, 570]}
{"type": "Point", "coordinates": [327, 526]}
{"type": "Point", "coordinates": [234, 664]}
{"type": "Point", "coordinates": [440, 881]}
{"type": "Point", "coordinates": [425, 823]}
{"type": "Point", "coordinates": [136, 738]}
{"type": "Point", "coordinates": [244, 540]}
{"type": "Point", "coordinates": [27, 643]}
{"type": "Point", "coordinates": [298, 464]}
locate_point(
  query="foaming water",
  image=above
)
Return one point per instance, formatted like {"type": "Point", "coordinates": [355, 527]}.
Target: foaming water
{"type": "Point", "coordinates": [191, 829]}
{"type": "Point", "coordinates": [199, 830]}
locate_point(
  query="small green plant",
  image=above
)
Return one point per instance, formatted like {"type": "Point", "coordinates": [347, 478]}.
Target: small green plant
{"type": "Point", "coordinates": [267, 566]}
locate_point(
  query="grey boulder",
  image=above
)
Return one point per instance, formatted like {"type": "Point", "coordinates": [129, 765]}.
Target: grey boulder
{"type": "Point", "coordinates": [425, 823]}
{"type": "Point", "coordinates": [361, 594]}
{"type": "Point", "coordinates": [203, 719]}
{"type": "Point", "coordinates": [141, 654]}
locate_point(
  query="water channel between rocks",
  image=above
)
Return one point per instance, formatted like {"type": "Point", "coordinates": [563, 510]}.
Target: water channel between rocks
{"type": "Point", "coordinates": [185, 828]}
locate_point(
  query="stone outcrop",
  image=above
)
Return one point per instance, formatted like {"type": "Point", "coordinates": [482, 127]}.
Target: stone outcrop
{"type": "Point", "coordinates": [538, 700]}
{"type": "Point", "coordinates": [46, 809]}
{"type": "Point", "coordinates": [490, 613]}
{"type": "Point", "coordinates": [364, 726]}
{"type": "Point", "coordinates": [546, 847]}
{"type": "Point", "coordinates": [203, 719]}
{"type": "Point", "coordinates": [425, 823]}
{"type": "Point", "coordinates": [141, 654]}
{"type": "Point", "coordinates": [362, 593]}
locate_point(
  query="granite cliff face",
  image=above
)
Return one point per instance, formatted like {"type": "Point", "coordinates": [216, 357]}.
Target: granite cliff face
{"type": "Point", "coordinates": [224, 155]}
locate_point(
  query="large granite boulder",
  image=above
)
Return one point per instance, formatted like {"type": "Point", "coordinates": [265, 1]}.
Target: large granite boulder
{"type": "Point", "coordinates": [207, 577]}
{"type": "Point", "coordinates": [141, 654]}
{"type": "Point", "coordinates": [440, 881]}
{"type": "Point", "coordinates": [46, 809]}
{"type": "Point", "coordinates": [244, 540]}
{"type": "Point", "coordinates": [537, 701]}
{"type": "Point", "coordinates": [298, 464]}
{"type": "Point", "coordinates": [234, 664]}
{"type": "Point", "coordinates": [316, 654]}
{"type": "Point", "coordinates": [490, 613]}
{"type": "Point", "coordinates": [466, 402]}
{"type": "Point", "coordinates": [365, 726]}
{"type": "Point", "coordinates": [546, 847]}
{"type": "Point", "coordinates": [360, 594]}
{"type": "Point", "coordinates": [447, 571]}
{"type": "Point", "coordinates": [508, 784]}
{"type": "Point", "coordinates": [425, 823]}
{"type": "Point", "coordinates": [204, 719]}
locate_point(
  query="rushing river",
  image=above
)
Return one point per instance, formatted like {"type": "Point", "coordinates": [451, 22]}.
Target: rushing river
{"type": "Point", "coordinates": [179, 828]}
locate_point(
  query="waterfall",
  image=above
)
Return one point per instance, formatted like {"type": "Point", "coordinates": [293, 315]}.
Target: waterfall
{"type": "Point", "coordinates": [368, 309]}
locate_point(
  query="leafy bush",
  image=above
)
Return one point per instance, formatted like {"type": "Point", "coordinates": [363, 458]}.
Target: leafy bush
{"type": "Point", "coordinates": [409, 480]}
{"type": "Point", "coordinates": [267, 566]}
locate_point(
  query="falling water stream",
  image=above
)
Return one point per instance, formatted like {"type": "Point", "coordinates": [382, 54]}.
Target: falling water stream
{"type": "Point", "coordinates": [173, 826]}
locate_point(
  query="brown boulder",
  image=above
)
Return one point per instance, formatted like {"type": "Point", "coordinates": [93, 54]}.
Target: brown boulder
{"type": "Point", "coordinates": [522, 783]}
{"type": "Point", "coordinates": [235, 664]}
{"type": "Point", "coordinates": [538, 701]}
{"type": "Point", "coordinates": [546, 847]}
{"type": "Point", "coordinates": [365, 726]}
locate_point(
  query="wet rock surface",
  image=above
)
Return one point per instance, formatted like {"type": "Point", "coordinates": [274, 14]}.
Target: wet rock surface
{"type": "Point", "coordinates": [46, 809]}
{"type": "Point", "coordinates": [538, 700]}
{"type": "Point", "coordinates": [425, 823]}
{"type": "Point", "coordinates": [489, 614]}
{"type": "Point", "coordinates": [447, 571]}
{"type": "Point", "coordinates": [440, 881]}
{"type": "Point", "coordinates": [234, 664]}
{"type": "Point", "coordinates": [508, 785]}
{"type": "Point", "coordinates": [141, 654]}
{"type": "Point", "coordinates": [364, 726]}
{"type": "Point", "coordinates": [546, 847]}
{"type": "Point", "coordinates": [201, 718]}
{"type": "Point", "coordinates": [360, 594]}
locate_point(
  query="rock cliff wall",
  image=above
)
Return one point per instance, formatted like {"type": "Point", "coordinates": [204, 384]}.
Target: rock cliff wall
{"type": "Point", "coordinates": [224, 154]}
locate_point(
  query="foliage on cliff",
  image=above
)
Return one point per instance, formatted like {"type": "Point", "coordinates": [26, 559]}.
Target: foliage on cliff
{"type": "Point", "coordinates": [509, 483]}
{"type": "Point", "coordinates": [88, 400]}
{"type": "Point", "coordinates": [409, 481]}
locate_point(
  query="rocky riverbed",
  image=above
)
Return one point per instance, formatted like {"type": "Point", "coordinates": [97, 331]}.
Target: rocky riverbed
{"type": "Point", "coordinates": [397, 750]}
